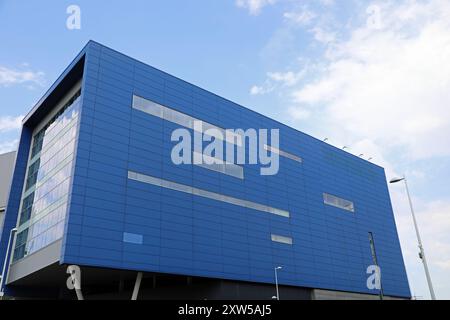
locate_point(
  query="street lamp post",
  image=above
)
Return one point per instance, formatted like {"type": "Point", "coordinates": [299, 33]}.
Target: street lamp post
{"type": "Point", "coordinates": [422, 251]}
{"type": "Point", "coordinates": [276, 281]}
{"type": "Point", "coordinates": [2, 280]}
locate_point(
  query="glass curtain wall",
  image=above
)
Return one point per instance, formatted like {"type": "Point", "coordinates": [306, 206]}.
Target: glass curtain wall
{"type": "Point", "coordinates": [44, 200]}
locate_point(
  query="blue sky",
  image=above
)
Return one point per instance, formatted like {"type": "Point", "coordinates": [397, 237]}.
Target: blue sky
{"type": "Point", "coordinates": [371, 75]}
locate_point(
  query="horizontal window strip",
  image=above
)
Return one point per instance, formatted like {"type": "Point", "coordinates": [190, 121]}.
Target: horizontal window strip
{"type": "Point", "coordinates": [182, 119]}
{"type": "Point", "coordinates": [221, 166]}
{"type": "Point", "coordinates": [205, 194]}
{"type": "Point", "coordinates": [283, 153]}
{"type": "Point", "coordinates": [168, 114]}
{"type": "Point", "coordinates": [337, 202]}
{"type": "Point", "coordinates": [282, 239]}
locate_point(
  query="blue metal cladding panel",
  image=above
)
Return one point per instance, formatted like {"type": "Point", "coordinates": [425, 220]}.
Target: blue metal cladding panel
{"type": "Point", "coordinates": [191, 235]}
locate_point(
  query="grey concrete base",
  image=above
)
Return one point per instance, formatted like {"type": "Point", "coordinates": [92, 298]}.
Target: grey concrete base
{"type": "Point", "coordinates": [338, 295]}
{"type": "Point", "coordinates": [37, 261]}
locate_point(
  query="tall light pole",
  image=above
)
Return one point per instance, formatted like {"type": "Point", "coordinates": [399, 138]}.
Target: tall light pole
{"type": "Point", "coordinates": [276, 281]}
{"type": "Point", "coordinates": [2, 280]}
{"type": "Point", "coordinates": [422, 251]}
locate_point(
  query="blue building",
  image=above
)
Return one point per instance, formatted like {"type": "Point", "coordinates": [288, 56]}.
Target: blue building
{"type": "Point", "coordinates": [94, 185]}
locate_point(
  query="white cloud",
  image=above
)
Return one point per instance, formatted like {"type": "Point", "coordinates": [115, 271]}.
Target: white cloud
{"type": "Point", "coordinates": [258, 90]}
{"type": "Point", "coordinates": [322, 35]}
{"type": "Point", "coordinates": [8, 146]}
{"type": "Point", "coordinates": [444, 264]}
{"type": "Point", "coordinates": [10, 123]}
{"type": "Point", "coordinates": [287, 78]}
{"type": "Point", "coordinates": [299, 113]}
{"type": "Point", "coordinates": [391, 84]}
{"type": "Point", "coordinates": [11, 77]}
{"type": "Point", "coordinates": [254, 6]}
{"type": "Point", "coordinates": [303, 17]}
{"type": "Point", "coordinates": [275, 79]}
{"type": "Point", "coordinates": [327, 2]}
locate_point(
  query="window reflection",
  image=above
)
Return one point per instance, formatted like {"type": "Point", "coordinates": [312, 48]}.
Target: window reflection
{"type": "Point", "coordinates": [338, 202]}
{"type": "Point", "coordinates": [282, 239]}
{"type": "Point", "coordinates": [44, 203]}
{"type": "Point", "coordinates": [205, 194]}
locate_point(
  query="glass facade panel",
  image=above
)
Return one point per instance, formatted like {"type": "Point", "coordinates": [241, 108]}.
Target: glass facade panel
{"type": "Point", "coordinates": [187, 121]}
{"type": "Point", "coordinates": [338, 202]}
{"type": "Point", "coordinates": [283, 153]}
{"type": "Point", "coordinates": [282, 239]}
{"type": "Point", "coordinates": [205, 194]}
{"type": "Point", "coordinates": [229, 169]}
{"type": "Point", "coordinates": [147, 106]}
{"type": "Point", "coordinates": [44, 203]}
{"type": "Point", "coordinates": [133, 238]}
{"type": "Point", "coordinates": [179, 118]}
